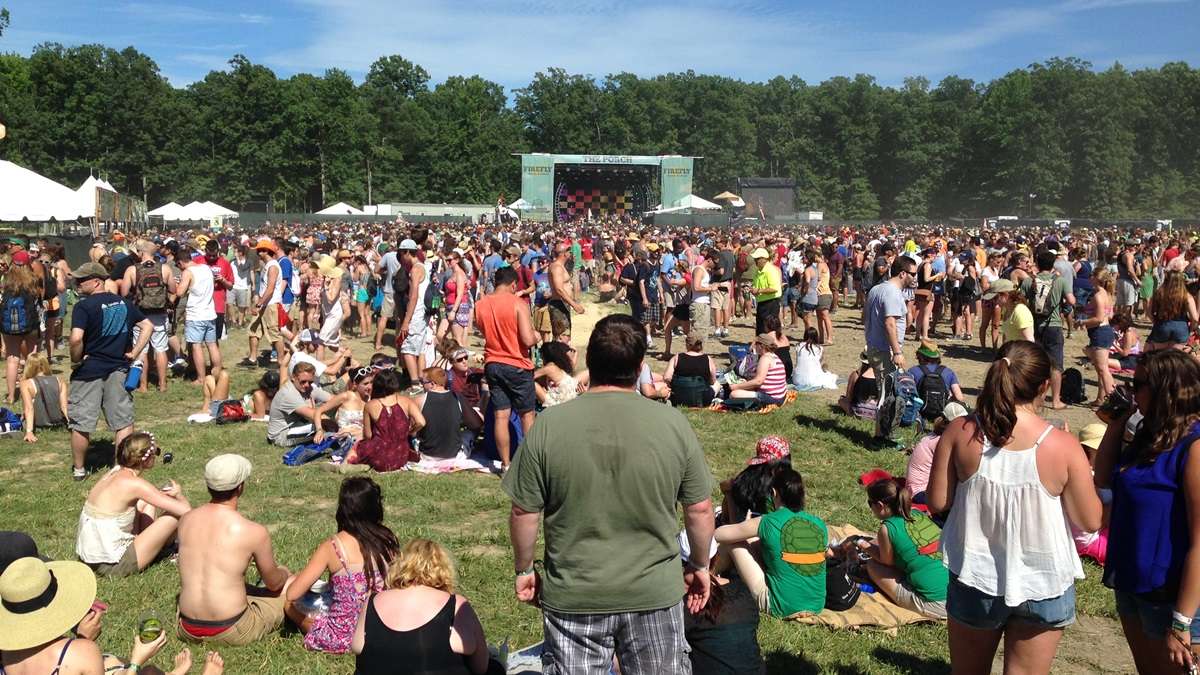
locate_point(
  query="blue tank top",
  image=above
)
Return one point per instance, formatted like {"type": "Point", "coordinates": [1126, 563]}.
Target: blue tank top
{"type": "Point", "coordinates": [1148, 535]}
{"type": "Point", "coordinates": [1083, 276]}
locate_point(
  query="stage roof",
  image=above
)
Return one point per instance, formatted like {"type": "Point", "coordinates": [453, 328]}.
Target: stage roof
{"type": "Point", "coordinates": [644, 160]}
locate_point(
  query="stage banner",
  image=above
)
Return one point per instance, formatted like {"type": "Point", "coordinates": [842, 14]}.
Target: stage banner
{"type": "Point", "coordinates": [676, 180]}
{"type": "Point", "coordinates": [537, 185]}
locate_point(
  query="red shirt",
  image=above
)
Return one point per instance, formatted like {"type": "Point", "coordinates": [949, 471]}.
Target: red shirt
{"type": "Point", "coordinates": [221, 268]}
{"type": "Point", "coordinates": [586, 245]}
{"type": "Point", "coordinates": [496, 315]}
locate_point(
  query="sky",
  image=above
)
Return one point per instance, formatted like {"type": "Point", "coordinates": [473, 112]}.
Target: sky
{"type": "Point", "coordinates": [508, 41]}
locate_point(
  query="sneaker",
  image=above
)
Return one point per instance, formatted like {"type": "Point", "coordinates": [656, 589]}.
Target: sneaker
{"type": "Point", "coordinates": [78, 474]}
{"type": "Point", "coordinates": [247, 363]}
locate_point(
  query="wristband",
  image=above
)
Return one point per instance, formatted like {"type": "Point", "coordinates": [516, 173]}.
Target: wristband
{"type": "Point", "coordinates": [1180, 622]}
{"type": "Point", "coordinates": [698, 568]}
{"type": "Point", "coordinates": [525, 573]}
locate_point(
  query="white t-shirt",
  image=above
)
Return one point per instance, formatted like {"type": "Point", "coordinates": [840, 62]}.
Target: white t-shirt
{"type": "Point", "coordinates": [200, 305]}
{"type": "Point", "coordinates": [277, 292]}
{"type": "Point", "coordinates": [304, 357]}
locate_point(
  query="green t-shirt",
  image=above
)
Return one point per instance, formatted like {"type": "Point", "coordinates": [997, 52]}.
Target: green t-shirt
{"type": "Point", "coordinates": [916, 549]}
{"type": "Point", "coordinates": [577, 255]}
{"type": "Point", "coordinates": [793, 549]}
{"type": "Point", "coordinates": [1059, 288]}
{"type": "Point", "coordinates": [607, 471]}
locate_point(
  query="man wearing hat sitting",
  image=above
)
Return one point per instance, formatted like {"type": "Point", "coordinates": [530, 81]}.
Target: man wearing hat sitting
{"type": "Point", "coordinates": [929, 363]}
{"type": "Point", "coordinates": [101, 324]}
{"type": "Point", "coordinates": [216, 545]}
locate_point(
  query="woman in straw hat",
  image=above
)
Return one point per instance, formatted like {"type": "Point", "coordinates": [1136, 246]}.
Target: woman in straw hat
{"type": "Point", "coordinates": [333, 308]}
{"type": "Point", "coordinates": [40, 602]}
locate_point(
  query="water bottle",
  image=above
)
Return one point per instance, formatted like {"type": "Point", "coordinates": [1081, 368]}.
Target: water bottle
{"type": "Point", "coordinates": [134, 378]}
{"type": "Point", "coordinates": [867, 588]}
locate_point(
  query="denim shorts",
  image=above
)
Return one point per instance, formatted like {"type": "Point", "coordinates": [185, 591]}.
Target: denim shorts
{"type": "Point", "coordinates": [200, 332]}
{"type": "Point", "coordinates": [1155, 615]}
{"type": "Point", "coordinates": [1170, 332]}
{"type": "Point", "coordinates": [510, 387]}
{"type": "Point", "coordinates": [981, 611]}
{"type": "Point", "coordinates": [1051, 339]}
{"type": "Point", "coordinates": [1101, 337]}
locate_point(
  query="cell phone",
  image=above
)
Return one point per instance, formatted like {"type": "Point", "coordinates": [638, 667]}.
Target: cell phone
{"type": "Point", "coordinates": [99, 606]}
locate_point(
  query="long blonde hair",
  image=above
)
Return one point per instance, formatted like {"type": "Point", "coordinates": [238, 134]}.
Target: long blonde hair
{"type": "Point", "coordinates": [36, 365]}
{"type": "Point", "coordinates": [423, 563]}
{"type": "Point", "coordinates": [20, 280]}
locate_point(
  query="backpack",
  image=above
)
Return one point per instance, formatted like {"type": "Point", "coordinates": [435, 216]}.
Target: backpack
{"type": "Point", "coordinates": [969, 287]}
{"type": "Point", "coordinates": [15, 319]}
{"type": "Point", "coordinates": [1073, 392]}
{"type": "Point", "coordinates": [933, 392]}
{"type": "Point", "coordinates": [10, 421]}
{"type": "Point", "coordinates": [1043, 295]}
{"type": "Point", "coordinates": [841, 592]}
{"type": "Point", "coordinates": [231, 411]}
{"type": "Point", "coordinates": [433, 296]}
{"type": "Point", "coordinates": [907, 400]}
{"type": "Point", "coordinates": [150, 289]}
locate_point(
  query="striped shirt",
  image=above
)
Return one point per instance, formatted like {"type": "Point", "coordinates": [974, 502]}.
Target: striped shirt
{"type": "Point", "coordinates": [775, 384]}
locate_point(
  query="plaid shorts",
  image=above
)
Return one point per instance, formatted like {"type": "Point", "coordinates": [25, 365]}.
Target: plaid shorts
{"type": "Point", "coordinates": [646, 643]}
{"type": "Point", "coordinates": [653, 314]}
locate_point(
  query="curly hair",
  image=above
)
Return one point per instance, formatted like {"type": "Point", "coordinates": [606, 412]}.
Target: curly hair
{"type": "Point", "coordinates": [423, 563]}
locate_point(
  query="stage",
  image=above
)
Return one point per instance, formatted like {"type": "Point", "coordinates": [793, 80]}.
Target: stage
{"type": "Point", "coordinates": [563, 188]}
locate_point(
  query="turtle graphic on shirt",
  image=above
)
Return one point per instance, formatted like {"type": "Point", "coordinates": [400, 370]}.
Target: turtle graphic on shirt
{"type": "Point", "coordinates": [925, 533]}
{"type": "Point", "coordinates": [802, 545]}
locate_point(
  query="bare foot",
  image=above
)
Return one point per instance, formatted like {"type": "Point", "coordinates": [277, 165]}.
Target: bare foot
{"type": "Point", "coordinates": [213, 664]}
{"type": "Point", "coordinates": [183, 662]}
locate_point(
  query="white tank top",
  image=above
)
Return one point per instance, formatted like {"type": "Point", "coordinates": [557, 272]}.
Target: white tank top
{"type": "Point", "coordinates": [1006, 535]}
{"type": "Point", "coordinates": [418, 315]}
{"type": "Point", "coordinates": [702, 296]}
{"type": "Point", "coordinates": [200, 306]}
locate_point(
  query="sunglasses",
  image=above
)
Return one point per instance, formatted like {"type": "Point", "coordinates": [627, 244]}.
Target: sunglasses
{"type": "Point", "coordinates": [304, 382]}
{"type": "Point", "coordinates": [460, 359]}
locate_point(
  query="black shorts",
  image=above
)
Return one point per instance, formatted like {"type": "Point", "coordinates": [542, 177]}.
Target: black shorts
{"type": "Point", "coordinates": [510, 387]}
{"type": "Point", "coordinates": [682, 312]}
{"type": "Point", "coordinates": [1051, 339]}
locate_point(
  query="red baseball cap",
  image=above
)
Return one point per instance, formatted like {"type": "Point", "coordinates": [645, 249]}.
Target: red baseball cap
{"type": "Point", "coordinates": [20, 258]}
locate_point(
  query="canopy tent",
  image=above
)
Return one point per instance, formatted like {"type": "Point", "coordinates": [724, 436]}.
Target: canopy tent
{"type": "Point", "coordinates": [519, 205]}
{"type": "Point", "coordinates": [27, 195]}
{"type": "Point", "coordinates": [699, 203]}
{"type": "Point", "coordinates": [166, 210]}
{"type": "Point", "coordinates": [215, 210]}
{"type": "Point", "coordinates": [86, 193]}
{"type": "Point", "coordinates": [726, 196]}
{"type": "Point", "coordinates": [340, 209]}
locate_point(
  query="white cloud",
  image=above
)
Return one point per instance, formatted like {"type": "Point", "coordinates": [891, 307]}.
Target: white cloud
{"type": "Point", "coordinates": [185, 15]}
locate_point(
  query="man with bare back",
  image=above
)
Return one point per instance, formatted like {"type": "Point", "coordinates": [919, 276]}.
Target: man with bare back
{"type": "Point", "coordinates": [216, 546]}
{"type": "Point", "coordinates": [562, 293]}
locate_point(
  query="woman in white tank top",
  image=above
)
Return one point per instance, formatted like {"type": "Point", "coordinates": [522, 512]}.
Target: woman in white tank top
{"type": "Point", "coordinates": [1010, 480]}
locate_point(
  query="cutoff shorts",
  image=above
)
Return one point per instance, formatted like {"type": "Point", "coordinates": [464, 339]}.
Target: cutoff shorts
{"type": "Point", "coordinates": [981, 611]}
{"type": "Point", "coordinates": [1155, 615]}
{"type": "Point", "coordinates": [158, 335]}
{"type": "Point", "coordinates": [241, 297]}
{"type": "Point", "coordinates": [200, 332]}
{"type": "Point", "coordinates": [87, 398]}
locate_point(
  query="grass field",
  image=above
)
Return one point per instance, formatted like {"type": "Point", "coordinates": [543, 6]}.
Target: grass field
{"type": "Point", "coordinates": [465, 512]}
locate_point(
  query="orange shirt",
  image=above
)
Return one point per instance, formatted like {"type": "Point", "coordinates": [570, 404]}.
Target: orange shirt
{"type": "Point", "coordinates": [496, 315]}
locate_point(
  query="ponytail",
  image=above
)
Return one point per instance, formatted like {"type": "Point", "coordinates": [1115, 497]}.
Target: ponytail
{"type": "Point", "coordinates": [888, 491]}
{"type": "Point", "coordinates": [1013, 379]}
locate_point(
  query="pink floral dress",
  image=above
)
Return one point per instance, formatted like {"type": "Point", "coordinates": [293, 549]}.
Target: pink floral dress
{"type": "Point", "coordinates": [332, 631]}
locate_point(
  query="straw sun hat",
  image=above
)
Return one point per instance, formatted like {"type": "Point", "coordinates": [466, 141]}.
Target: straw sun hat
{"type": "Point", "coordinates": [42, 600]}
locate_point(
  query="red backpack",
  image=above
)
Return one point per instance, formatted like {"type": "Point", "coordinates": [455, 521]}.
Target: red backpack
{"type": "Point", "coordinates": [231, 411]}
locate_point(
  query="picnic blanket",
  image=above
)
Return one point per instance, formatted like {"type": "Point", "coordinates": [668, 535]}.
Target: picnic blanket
{"type": "Point", "coordinates": [788, 396]}
{"type": "Point", "coordinates": [871, 610]}
{"type": "Point", "coordinates": [477, 462]}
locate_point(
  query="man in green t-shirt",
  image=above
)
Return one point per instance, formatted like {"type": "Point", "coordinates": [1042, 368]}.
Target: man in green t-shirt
{"type": "Point", "coordinates": [606, 471]}
{"type": "Point", "coordinates": [1047, 292]}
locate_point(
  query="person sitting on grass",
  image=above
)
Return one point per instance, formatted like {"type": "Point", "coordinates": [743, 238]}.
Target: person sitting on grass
{"type": "Point", "coordinates": [294, 417]}
{"type": "Point", "coordinates": [420, 618]}
{"type": "Point", "coordinates": [216, 545]}
{"type": "Point", "coordinates": [264, 393]}
{"type": "Point", "coordinates": [466, 382]}
{"type": "Point", "coordinates": [785, 568]}
{"type": "Point", "coordinates": [42, 602]}
{"type": "Point", "coordinates": [356, 559]}
{"type": "Point", "coordinates": [445, 416]}
{"type": "Point", "coordinates": [929, 360]}
{"type": "Point", "coordinates": [351, 403]}
{"type": "Point", "coordinates": [329, 366]}
{"type": "Point", "coordinates": [555, 381]}
{"type": "Point", "coordinates": [389, 419]}
{"type": "Point", "coordinates": [126, 521]}
{"type": "Point", "coordinates": [1127, 347]}
{"type": "Point", "coordinates": [809, 372]}
{"type": "Point", "coordinates": [769, 383]}
{"type": "Point", "coordinates": [905, 559]}
{"type": "Point", "coordinates": [216, 391]}
{"type": "Point", "coordinates": [43, 397]}
{"type": "Point", "coordinates": [920, 461]}
{"type": "Point", "coordinates": [692, 362]}
{"type": "Point", "coordinates": [861, 390]}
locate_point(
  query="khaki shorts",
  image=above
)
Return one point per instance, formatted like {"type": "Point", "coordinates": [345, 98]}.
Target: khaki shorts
{"type": "Point", "coordinates": [263, 616]}
{"type": "Point", "coordinates": [698, 314]}
{"type": "Point", "coordinates": [718, 298]}
{"type": "Point", "coordinates": [541, 319]}
{"type": "Point", "coordinates": [125, 567]}
{"type": "Point", "coordinates": [907, 598]}
{"type": "Point", "coordinates": [267, 324]}
{"type": "Point", "coordinates": [389, 305]}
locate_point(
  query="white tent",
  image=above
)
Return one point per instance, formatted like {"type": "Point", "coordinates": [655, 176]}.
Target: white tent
{"type": "Point", "coordinates": [215, 210]}
{"type": "Point", "coordinates": [520, 205]}
{"type": "Point", "coordinates": [166, 210]}
{"type": "Point", "coordinates": [86, 193]}
{"type": "Point", "coordinates": [340, 209]}
{"type": "Point", "coordinates": [699, 203]}
{"type": "Point", "coordinates": [25, 194]}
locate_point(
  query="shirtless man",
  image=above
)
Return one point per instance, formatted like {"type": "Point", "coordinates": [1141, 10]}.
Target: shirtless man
{"type": "Point", "coordinates": [216, 545]}
{"type": "Point", "coordinates": [562, 293]}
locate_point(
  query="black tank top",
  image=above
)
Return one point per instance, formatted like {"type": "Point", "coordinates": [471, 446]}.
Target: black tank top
{"type": "Point", "coordinates": [687, 365]}
{"type": "Point", "coordinates": [443, 418]}
{"type": "Point", "coordinates": [421, 651]}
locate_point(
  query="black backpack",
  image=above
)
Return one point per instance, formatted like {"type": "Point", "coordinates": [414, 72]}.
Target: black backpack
{"type": "Point", "coordinates": [1073, 392]}
{"type": "Point", "coordinates": [934, 392]}
{"type": "Point", "coordinates": [841, 592]}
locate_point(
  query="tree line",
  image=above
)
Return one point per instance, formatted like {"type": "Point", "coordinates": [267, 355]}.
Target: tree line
{"type": "Point", "coordinates": [1057, 138]}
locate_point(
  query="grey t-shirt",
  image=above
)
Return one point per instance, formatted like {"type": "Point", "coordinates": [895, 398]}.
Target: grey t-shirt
{"type": "Point", "coordinates": [1065, 269]}
{"type": "Point", "coordinates": [391, 263]}
{"type": "Point", "coordinates": [883, 301]}
{"type": "Point", "coordinates": [283, 410]}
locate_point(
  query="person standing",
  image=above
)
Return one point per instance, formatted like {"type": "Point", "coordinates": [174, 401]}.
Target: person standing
{"type": "Point", "coordinates": [612, 579]}
{"type": "Point", "coordinates": [413, 330]}
{"type": "Point", "coordinates": [885, 318]}
{"type": "Point", "coordinates": [222, 281]}
{"type": "Point", "coordinates": [148, 285]}
{"type": "Point", "coordinates": [101, 325]}
{"type": "Point", "coordinates": [198, 285]}
{"type": "Point", "coordinates": [388, 264]}
{"type": "Point", "coordinates": [562, 293]}
{"type": "Point", "coordinates": [1047, 293]}
{"type": "Point", "coordinates": [767, 287]}
{"type": "Point", "coordinates": [270, 315]}
{"type": "Point", "coordinates": [507, 329]}
{"type": "Point", "coordinates": [243, 285]}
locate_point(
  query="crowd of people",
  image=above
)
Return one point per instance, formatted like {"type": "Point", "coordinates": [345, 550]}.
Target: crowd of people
{"type": "Point", "coordinates": [985, 530]}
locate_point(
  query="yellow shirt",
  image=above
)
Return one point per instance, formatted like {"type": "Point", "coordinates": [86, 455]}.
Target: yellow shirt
{"type": "Point", "coordinates": [1020, 319]}
{"type": "Point", "coordinates": [769, 276]}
